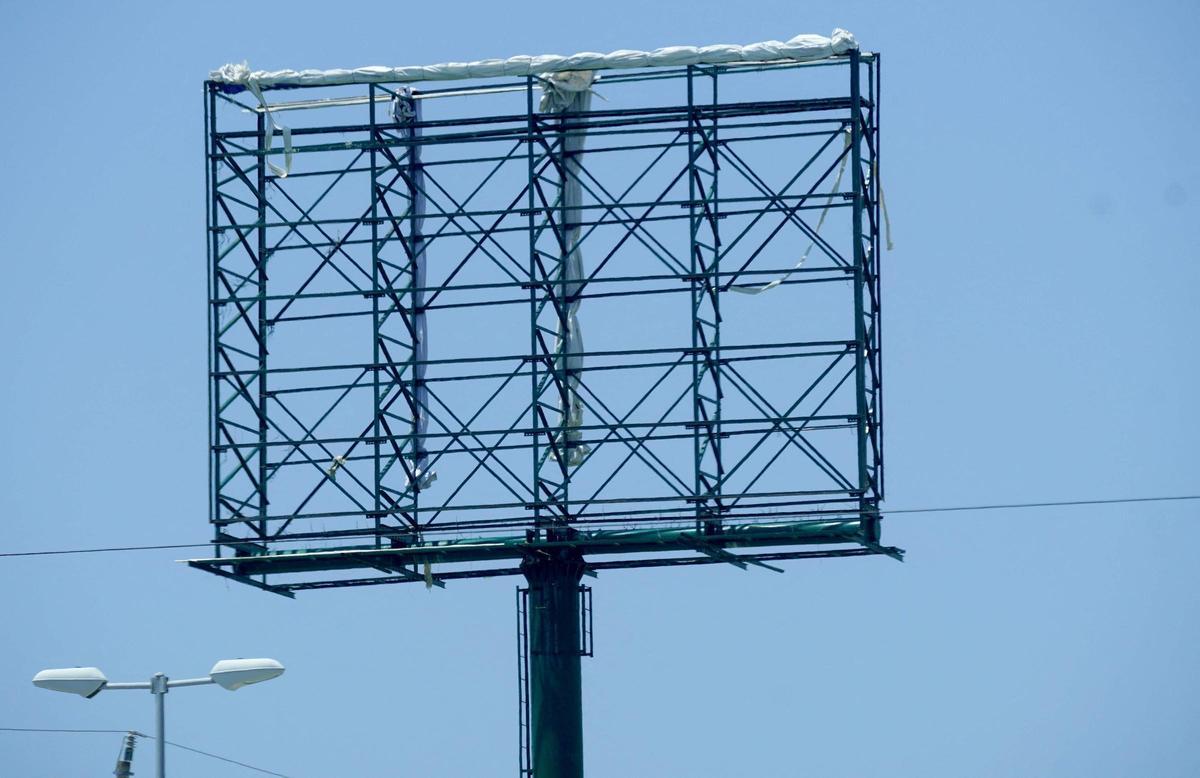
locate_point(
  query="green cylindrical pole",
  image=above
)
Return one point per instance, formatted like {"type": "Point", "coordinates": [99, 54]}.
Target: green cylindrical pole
{"type": "Point", "coordinates": [555, 685]}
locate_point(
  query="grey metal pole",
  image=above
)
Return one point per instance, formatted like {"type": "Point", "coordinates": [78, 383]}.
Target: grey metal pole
{"type": "Point", "coordinates": [158, 687]}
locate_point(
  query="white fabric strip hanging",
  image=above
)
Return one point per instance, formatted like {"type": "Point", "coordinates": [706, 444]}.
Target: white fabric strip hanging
{"type": "Point", "coordinates": [887, 221]}
{"type": "Point", "coordinates": [837, 182]}
{"type": "Point", "coordinates": [269, 133]}
{"type": "Point", "coordinates": [407, 112]}
{"type": "Point", "coordinates": [570, 93]}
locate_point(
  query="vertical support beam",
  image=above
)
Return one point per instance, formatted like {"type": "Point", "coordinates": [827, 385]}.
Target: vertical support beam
{"type": "Point", "coordinates": [713, 288]}
{"type": "Point", "coordinates": [398, 202]}
{"type": "Point", "coordinates": [377, 447]}
{"type": "Point", "coordinates": [549, 317]}
{"type": "Point", "coordinates": [417, 264]}
{"type": "Point", "coordinates": [868, 507]}
{"type": "Point", "coordinates": [568, 345]}
{"type": "Point", "coordinates": [876, 256]}
{"type": "Point", "coordinates": [531, 228]}
{"type": "Point", "coordinates": [261, 306]}
{"type": "Point", "coordinates": [214, 385]}
{"type": "Point", "coordinates": [704, 276]}
{"type": "Point", "coordinates": [697, 435]}
{"type": "Point", "coordinates": [239, 350]}
{"type": "Point", "coordinates": [555, 678]}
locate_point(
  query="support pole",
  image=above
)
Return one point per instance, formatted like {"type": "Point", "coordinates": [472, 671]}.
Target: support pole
{"type": "Point", "coordinates": [555, 684]}
{"type": "Point", "coordinates": [158, 687]}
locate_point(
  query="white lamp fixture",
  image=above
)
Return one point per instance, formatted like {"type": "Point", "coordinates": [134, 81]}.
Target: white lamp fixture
{"type": "Point", "coordinates": [233, 674]}
{"type": "Point", "coordinates": [87, 682]}
{"type": "Point", "coordinates": [84, 681]}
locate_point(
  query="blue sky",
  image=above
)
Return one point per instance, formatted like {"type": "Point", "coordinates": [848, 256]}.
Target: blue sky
{"type": "Point", "coordinates": [1041, 344]}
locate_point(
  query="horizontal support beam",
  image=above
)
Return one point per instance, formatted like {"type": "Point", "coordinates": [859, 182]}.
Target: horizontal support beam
{"type": "Point", "coordinates": [596, 567]}
{"type": "Point", "coordinates": [613, 117]}
{"type": "Point", "coordinates": [727, 536]}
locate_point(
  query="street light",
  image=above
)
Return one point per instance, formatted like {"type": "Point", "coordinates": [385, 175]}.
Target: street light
{"type": "Point", "coordinates": [87, 682]}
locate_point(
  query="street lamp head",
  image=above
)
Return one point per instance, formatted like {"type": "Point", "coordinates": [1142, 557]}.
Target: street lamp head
{"type": "Point", "coordinates": [233, 674]}
{"type": "Point", "coordinates": [84, 681]}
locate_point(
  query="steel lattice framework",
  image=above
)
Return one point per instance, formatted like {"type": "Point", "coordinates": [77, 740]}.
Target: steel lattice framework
{"type": "Point", "coordinates": [389, 397]}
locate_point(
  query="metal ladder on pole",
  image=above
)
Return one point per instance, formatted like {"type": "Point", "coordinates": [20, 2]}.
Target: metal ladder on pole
{"type": "Point", "coordinates": [525, 759]}
{"type": "Point", "coordinates": [586, 648]}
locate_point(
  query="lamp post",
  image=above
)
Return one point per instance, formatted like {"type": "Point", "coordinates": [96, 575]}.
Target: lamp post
{"type": "Point", "coordinates": [230, 674]}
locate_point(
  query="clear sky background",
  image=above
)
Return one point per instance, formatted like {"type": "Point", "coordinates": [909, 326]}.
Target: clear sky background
{"type": "Point", "coordinates": [1041, 319]}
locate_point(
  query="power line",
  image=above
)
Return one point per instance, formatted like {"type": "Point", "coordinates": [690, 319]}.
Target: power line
{"type": "Point", "coordinates": [885, 512]}
{"type": "Point", "coordinates": [215, 756]}
{"type": "Point", "coordinates": [70, 731]}
{"type": "Point", "coordinates": [104, 549]}
{"type": "Point", "coordinates": [147, 737]}
{"type": "Point", "coordinates": [1057, 504]}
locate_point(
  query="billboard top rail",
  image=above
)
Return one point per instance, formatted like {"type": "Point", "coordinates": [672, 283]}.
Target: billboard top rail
{"type": "Point", "coordinates": [238, 77]}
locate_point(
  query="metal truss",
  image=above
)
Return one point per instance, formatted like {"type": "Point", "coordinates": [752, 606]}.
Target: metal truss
{"type": "Point", "coordinates": [389, 396]}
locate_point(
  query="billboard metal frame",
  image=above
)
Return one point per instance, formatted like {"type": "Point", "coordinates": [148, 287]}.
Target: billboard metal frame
{"type": "Point", "coordinates": [395, 528]}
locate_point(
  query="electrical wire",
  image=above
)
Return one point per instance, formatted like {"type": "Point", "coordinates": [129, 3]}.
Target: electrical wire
{"type": "Point", "coordinates": [885, 512]}
{"type": "Point", "coordinates": [147, 737]}
{"type": "Point", "coordinates": [69, 731]}
{"type": "Point", "coordinates": [103, 550]}
{"type": "Point", "coordinates": [215, 756]}
{"type": "Point", "coordinates": [1057, 504]}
